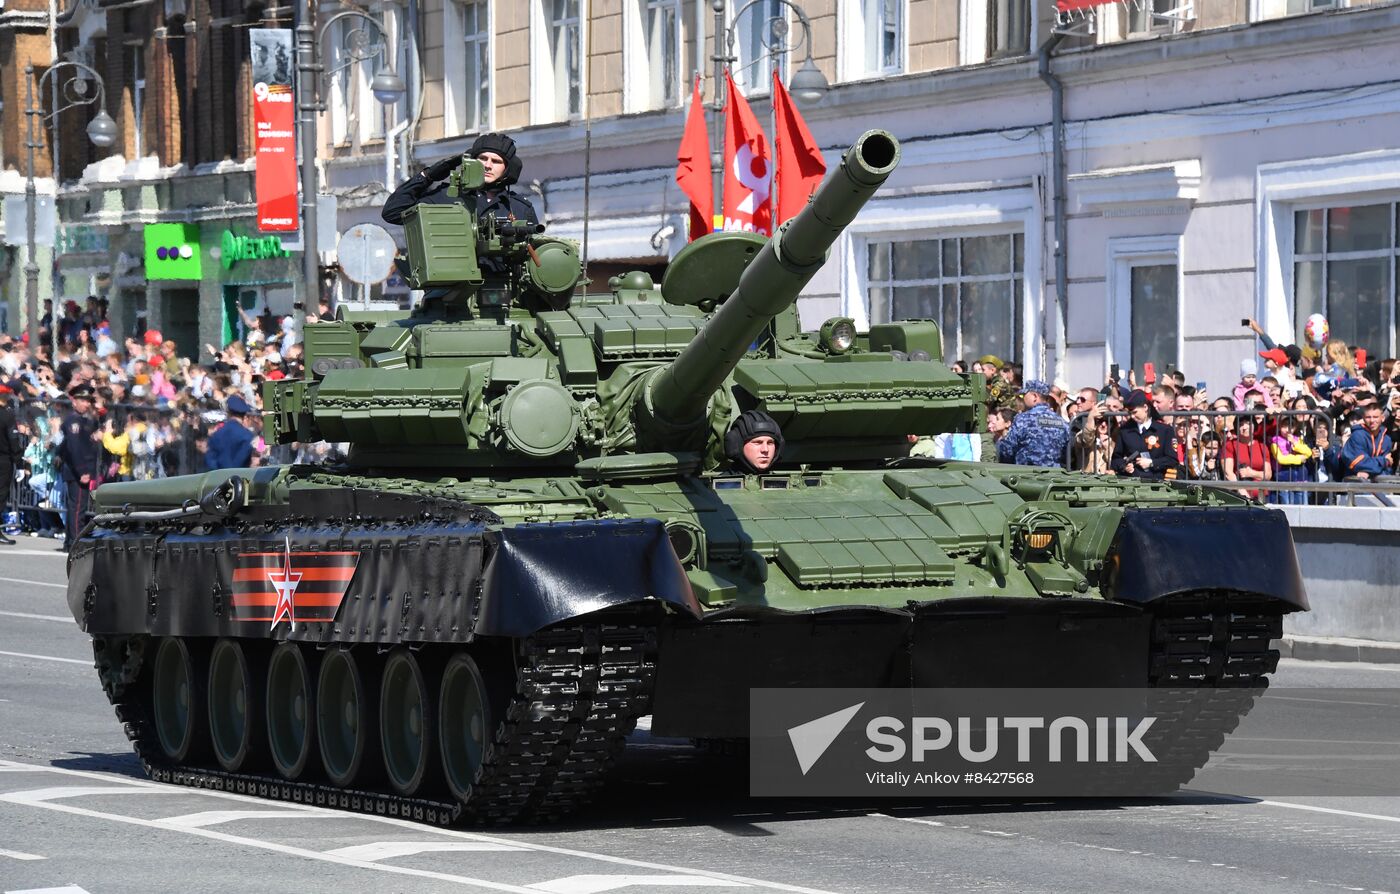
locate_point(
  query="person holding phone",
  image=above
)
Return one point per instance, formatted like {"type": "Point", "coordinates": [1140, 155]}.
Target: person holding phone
{"type": "Point", "coordinates": [1145, 447]}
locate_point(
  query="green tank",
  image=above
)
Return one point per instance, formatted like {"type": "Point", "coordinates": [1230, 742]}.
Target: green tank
{"type": "Point", "coordinates": [537, 537]}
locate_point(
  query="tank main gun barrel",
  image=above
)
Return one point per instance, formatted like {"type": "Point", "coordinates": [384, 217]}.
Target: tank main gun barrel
{"type": "Point", "coordinates": [678, 395]}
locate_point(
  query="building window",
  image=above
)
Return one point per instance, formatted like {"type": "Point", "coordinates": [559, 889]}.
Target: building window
{"type": "Point", "coordinates": [1344, 268]}
{"type": "Point", "coordinates": [558, 66]}
{"type": "Point", "coordinates": [1152, 16]}
{"type": "Point", "coordinates": [874, 38]}
{"type": "Point", "coordinates": [652, 64]}
{"type": "Point", "coordinates": [970, 284]}
{"type": "Point", "coordinates": [138, 99]}
{"type": "Point", "coordinates": [663, 52]}
{"type": "Point", "coordinates": [1008, 28]}
{"type": "Point", "coordinates": [761, 39]}
{"type": "Point", "coordinates": [476, 85]}
{"type": "Point", "coordinates": [993, 29]}
{"type": "Point", "coordinates": [1154, 315]}
{"type": "Point", "coordinates": [1144, 276]}
{"type": "Point", "coordinates": [1277, 9]}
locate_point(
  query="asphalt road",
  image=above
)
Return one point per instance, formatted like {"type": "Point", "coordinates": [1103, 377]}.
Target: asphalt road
{"type": "Point", "coordinates": [76, 815]}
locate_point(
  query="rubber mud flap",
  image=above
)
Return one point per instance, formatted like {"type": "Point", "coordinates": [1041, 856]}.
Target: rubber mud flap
{"type": "Point", "coordinates": [542, 574]}
{"type": "Point", "coordinates": [1161, 552]}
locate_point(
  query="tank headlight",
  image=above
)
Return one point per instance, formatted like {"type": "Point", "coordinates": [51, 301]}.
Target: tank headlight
{"type": "Point", "coordinates": [838, 334]}
{"type": "Point", "coordinates": [1040, 541]}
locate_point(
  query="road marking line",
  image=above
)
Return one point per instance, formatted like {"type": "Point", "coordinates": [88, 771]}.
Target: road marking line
{"type": "Point", "coordinates": [215, 817]}
{"type": "Point", "coordinates": [19, 855]}
{"type": "Point", "coordinates": [70, 889]}
{"type": "Point", "coordinates": [47, 658]}
{"type": "Point", "coordinates": [388, 850]}
{"type": "Point", "coordinates": [276, 847]}
{"type": "Point", "coordinates": [1332, 810]}
{"type": "Point", "coordinates": [54, 553]}
{"type": "Point", "coordinates": [33, 583]}
{"type": "Point", "coordinates": [417, 828]}
{"type": "Point", "coordinates": [40, 795]}
{"type": "Point", "coordinates": [595, 884]}
{"type": "Point", "coordinates": [38, 617]}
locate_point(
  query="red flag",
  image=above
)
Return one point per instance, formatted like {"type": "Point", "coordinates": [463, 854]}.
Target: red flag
{"type": "Point", "coordinates": [799, 166]}
{"type": "Point", "coordinates": [748, 171]}
{"type": "Point", "coordinates": [693, 168]}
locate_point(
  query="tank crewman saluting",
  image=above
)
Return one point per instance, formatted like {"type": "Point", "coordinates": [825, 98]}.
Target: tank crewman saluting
{"type": "Point", "coordinates": [497, 155]}
{"type": "Point", "coordinates": [78, 457]}
{"type": "Point", "coordinates": [754, 441]}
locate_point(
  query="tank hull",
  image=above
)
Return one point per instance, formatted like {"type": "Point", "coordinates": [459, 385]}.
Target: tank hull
{"type": "Point", "coordinates": [556, 637]}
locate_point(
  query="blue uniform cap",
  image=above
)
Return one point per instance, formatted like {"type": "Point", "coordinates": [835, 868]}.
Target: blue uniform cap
{"type": "Point", "coordinates": [1037, 386]}
{"type": "Point", "coordinates": [237, 406]}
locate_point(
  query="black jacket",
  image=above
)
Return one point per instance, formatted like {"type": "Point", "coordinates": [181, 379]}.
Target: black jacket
{"type": "Point", "coordinates": [79, 454]}
{"type": "Point", "coordinates": [418, 190]}
{"type": "Point", "coordinates": [11, 444]}
{"type": "Point", "coordinates": [1158, 442]}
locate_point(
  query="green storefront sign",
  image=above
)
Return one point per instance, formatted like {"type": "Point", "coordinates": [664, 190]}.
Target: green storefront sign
{"type": "Point", "coordinates": [234, 248]}
{"type": "Point", "coordinates": [172, 251]}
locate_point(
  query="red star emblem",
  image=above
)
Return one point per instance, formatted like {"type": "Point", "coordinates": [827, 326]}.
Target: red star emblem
{"type": "Point", "coordinates": [285, 581]}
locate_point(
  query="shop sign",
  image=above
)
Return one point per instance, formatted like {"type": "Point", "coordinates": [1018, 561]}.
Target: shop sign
{"type": "Point", "coordinates": [172, 251]}
{"type": "Point", "coordinates": [82, 240]}
{"type": "Point", "coordinates": [274, 133]}
{"type": "Point", "coordinates": [234, 248]}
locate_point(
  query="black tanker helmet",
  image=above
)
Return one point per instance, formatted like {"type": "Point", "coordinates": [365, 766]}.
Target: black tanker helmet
{"type": "Point", "coordinates": [751, 424]}
{"type": "Point", "coordinates": [503, 146]}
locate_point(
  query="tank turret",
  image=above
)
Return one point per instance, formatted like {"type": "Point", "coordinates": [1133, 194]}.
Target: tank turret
{"type": "Point", "coordinates": [677, 395]}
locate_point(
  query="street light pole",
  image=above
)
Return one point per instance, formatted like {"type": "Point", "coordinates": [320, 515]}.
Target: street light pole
{"type": "Point", "coordinates": [102, 132]}
{"type": "Point", "coordinates": [308, 105]}
{"type": "Point", "coordinates": [387, 87]}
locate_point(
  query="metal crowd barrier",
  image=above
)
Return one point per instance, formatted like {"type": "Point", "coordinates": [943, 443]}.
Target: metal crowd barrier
{"type": "Point", "coordinates": [1228, 416]}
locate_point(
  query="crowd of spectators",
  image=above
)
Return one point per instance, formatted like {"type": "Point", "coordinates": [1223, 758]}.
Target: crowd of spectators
{"type": "Point", "coordinates": [1308, 415]}
{"type": "Point", "coordinates": [134, 410]}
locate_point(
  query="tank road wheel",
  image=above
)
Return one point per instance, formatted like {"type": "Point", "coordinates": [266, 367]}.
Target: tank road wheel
{"type": "Point", "coordinates": [465, 723]}
{"type": "Point", "coordinates": [407, 718]}
{"type": "Point", "coordinates": [236, 690]}
{"type": "Point", "coordinates": [345, 716]}
{"type": "Point", "coordinates": [291, 725]}
{"type": "Point", "coordinates": [177, 699]}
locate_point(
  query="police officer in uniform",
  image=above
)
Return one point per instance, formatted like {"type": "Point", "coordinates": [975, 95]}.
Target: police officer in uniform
{"type": "Point", "coordinates": [497, 154]}
{"type": "Point", "coordinates": [231, 447]}
{"type": "Point", "coordinates": [1038, 436]}
{"type": "Point", "coordinates": [1145, 447]}
{"type": "Point", "coordinates": [79, 456]}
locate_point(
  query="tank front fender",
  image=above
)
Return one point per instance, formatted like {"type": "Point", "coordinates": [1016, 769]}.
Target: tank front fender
{"type": "Point", "coordinates": [538, 575]}
{"type": "Point", "coordinates": [1162, 552]}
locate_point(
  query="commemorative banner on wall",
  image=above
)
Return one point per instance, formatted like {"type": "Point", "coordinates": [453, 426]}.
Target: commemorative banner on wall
{"type": "Point", "coordinates": [274, 129]}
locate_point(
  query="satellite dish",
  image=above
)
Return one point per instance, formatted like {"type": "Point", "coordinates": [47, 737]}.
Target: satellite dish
{"type": "Point", "coordinates": [366, 253]}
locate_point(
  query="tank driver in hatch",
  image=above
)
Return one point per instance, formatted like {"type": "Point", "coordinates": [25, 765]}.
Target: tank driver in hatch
{"type": "Point", "coordinates": [754, 442]}
{"type": "Point", "coordinates": [497, 154]}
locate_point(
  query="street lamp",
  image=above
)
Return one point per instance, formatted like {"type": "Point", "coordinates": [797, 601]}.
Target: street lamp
{"type": "Point", "coordinates": [807, 85]}
{"type": "Point", "coordinates": [365, 41]}
{"type": "Point", "coordinates": [102, 132]}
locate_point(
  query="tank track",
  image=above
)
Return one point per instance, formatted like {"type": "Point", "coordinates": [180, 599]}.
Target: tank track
{"type": "Point", "coordinates": [1211, 657]}
{"type": "Point", "coordinates": [579, 691]}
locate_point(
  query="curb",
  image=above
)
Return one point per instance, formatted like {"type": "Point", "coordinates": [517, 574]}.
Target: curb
{"type": "Point", "coordinates": [1338, 648]}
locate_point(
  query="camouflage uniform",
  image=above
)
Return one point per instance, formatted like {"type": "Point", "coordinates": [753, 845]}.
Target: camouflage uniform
{"type": "Point", "coordinates": [1001, 394]}
{"type": "Point", "coordinates": [1037, 437]}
